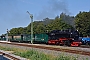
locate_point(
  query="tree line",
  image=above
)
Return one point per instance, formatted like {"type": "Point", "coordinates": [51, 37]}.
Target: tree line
{"type": "Point", "coordinates": [80, 22]}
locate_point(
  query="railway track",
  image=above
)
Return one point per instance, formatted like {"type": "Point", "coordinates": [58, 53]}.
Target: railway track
{"type": "Point", "coordinates": [51, 48]}
{"type": "Point", "coordinates": [85, 46]}
{"type": "Point", "coordinates": [9, 56]}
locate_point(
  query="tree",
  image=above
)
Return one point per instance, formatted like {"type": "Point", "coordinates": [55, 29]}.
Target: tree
{"type": "Point", "coordinates": [14, 31]}
{"type": "Point", "coordinates": [67, 19]}
{"type": "Point", "coordinates": [21, 30]}
{"type": "Point", "coordinates": [47, 21]}
{"type": "Point", "coordinates": [82, 23]}
{"type": "Point", "coordinates": [42, 26]}
{"type": "Point", "coordinates": [17, 31]}
{"type": "Point", "coordinates": [58, 24]}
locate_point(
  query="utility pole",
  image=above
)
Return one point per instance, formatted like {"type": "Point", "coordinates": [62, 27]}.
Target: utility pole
{"type": "Point", "coordinates": [7, 35]}
{"type": "Point", "coordinates": [31, 16]}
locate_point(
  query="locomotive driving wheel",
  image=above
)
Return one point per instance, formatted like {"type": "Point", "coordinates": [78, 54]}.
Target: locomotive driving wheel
{"type": "Point", "coordinates": [67, 43]}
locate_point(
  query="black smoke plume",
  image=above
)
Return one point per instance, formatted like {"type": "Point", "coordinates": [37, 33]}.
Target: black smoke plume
{"type": "Point", "coordinates": [54, 8]}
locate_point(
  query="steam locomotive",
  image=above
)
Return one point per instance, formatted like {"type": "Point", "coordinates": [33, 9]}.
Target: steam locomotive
{"type": "Point", "coordinates": [57, 37]}
{"type": "Point", "coordinates": [64, 37]}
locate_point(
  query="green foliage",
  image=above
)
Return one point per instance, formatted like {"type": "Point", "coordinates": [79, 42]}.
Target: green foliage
{"type": "Point", "coordinates": [67, 19]}
{"type": "Point", "coordinates": [5, 48]}
{"type": "Point", "coordinates": [35, 55]}
{"type": "Point", "coordinates": [42, 26]}
{"type": "Point", "coordinates": [58, 24]}
{"type": "Point", "coordinates": [62, 57]}
{"type": "Point", "coordinates": [82, 23]}
{"type": "Point", "coordinates": [17, 31]}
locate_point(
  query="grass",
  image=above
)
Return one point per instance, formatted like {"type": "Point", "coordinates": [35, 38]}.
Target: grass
{"type": "Point", "coordinates": [35, 55]}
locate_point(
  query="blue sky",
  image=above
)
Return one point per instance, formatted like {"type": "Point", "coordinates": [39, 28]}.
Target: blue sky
{"type": "Point", "coordinates": [13, 12]}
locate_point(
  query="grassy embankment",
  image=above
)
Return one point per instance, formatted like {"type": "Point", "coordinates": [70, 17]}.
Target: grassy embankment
{"type": "Point", "coordinates": [35, 55]}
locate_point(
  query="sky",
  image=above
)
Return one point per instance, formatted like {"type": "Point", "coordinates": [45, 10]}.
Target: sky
{"type": "Point", "coordinates": [13, 13]}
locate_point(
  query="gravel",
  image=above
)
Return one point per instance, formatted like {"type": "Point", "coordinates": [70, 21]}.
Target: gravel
{"type": "Point", "coordinates": [52, 52]}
